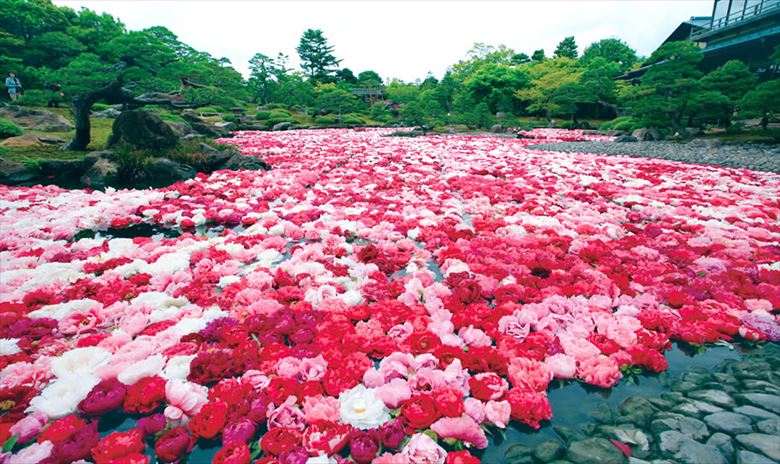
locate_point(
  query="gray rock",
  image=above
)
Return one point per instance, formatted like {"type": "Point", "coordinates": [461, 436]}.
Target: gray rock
{"type": "Point", "coordinates": [163, 171]}
{"type": "Point", "coordinates": [497, 129]}
{"type": "Point", "coordinates": [768, 445]}
{"type": "Point", "coordinates": [647, 134]}
{"type": "Point", "coordinates": [110, 113]}
{"type": "Point", "coordinates": [615, 133]}
{"type": "Point", "coordinates": [693, 452]}
{"type": "Point", "coordinates": [723, 442]}
{"type": "Point", "coordinates": [15, 173]}
{"type": "Point", "coordinates": [248, 162]}
{"type": "Point", "coordinates": [101, 174]}
{"type": "Point", "coordinates": [226, 125]}
{"type": "Point", "coordinates": [688, 426]}
{"type": "Point", "coordinates": [35, 119]}
{"type": "Point", "coordinates": [715, 397]}
{"type": "Point", "coordinates": [729, 422]}
{"type": "Point", "coordinates": [206, 148]}
{"type": "Point", "coordinates": [749, 457]}
{"type": "Point", "coordinates": [705, 407]}
{"type": "Point", "coordinates": [142, 129]}
{"type": "Point", "coordinates": [281, 126]}
{"type": "Point", "coordinates": [768, 387]}
{"type": "Point", "coordinates": [193, 136]}
{"type": "Point", "coordinates": [755, 413]}
{"type": "Point", "coordinates": [761, 400]}
{"type": "Point", "coordinates": [519, 454]}
{"type": "Point", "coordinates": [670, 441]}
{"type": "Point", "coordinates": [770, 426]}
{"type": "Point", "coordinates": [626, 139]}
{"type": "Point", "coordinates": [549, 450]}
{"type": "Point", "coordinates": [636, 410]}
{"type": "Point", "coordinates": [684, 449]}
{"type": "Point", "coordinates": [62, 171]}
{"type": "Point", "coordinates": [595, 451]}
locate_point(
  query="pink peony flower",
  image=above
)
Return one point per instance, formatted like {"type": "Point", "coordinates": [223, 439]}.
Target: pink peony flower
{"type": "Point", "coordinates": [562, 366]}
{"type": "Point", "coordinates": [475, 409]}
{"type": "Point", "coordinates": [600, 371]}
{"type": "Point", "coordinates": [321, 408]}
{"type": "Point", "coordinates": [394, 393]}
{"type": "Point", "coordinates": [422, 449]}
{"type": "Point", "coordinates": [498, 412]}
{"type": "Point", "coordinates": [464, 429]}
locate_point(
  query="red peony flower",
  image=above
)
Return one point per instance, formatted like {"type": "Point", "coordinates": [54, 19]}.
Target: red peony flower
{"type": "Point", "coordinates": [144, 396]}
{"type": "Point", "coordinates": [174, 444]}
{"type": "Point", "coordinates": [62, 429]}
{"type": "Point", "coordinates": [461, 457]}
{"type": "Point", "coordinates": [280, 439]}
{"type": "Point", "coordinates": [118, 445]}
{"type": "Point", "coordinates": [106, 396]}
{"type": "Point", "coordinates": [449, 401]}
{"type": "Point", "coordinates": [236, 452]}
{"type": "Point", "coordinates": [420, 411]}
{"type": "Point", "coordinates": [529, 407]}
{"type": "Point", "coordinates": [326, 438]}
{"type": "Point", "coordinates": [488, 386]}
{"type": "Point", "coordinates": [210, 420]}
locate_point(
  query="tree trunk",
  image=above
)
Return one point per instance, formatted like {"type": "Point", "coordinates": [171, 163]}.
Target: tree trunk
{"type": "Point", "coordinates": [113, 93]}
{"type": "Point", "coordinates": [82, 104]}
{"type": "Point", "coordinates": [81, 108]}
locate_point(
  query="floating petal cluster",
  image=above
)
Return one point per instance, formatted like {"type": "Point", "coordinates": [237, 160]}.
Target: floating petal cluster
{"type": "Point", "coordinates": [372, 298]}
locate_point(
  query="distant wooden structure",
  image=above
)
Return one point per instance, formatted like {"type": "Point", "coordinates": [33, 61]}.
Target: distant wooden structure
{"type": "Point", "coordinates": [370, 95]}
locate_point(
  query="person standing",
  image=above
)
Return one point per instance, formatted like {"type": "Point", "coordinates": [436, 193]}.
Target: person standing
{"type": "Point", "coordinates": [14, 86]}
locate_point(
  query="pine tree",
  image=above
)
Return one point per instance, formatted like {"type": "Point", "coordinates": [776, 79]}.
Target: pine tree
{"type": "Point", "coordinates": [567, 48]}
{"type": "Point", "coordinates": [317, 58]}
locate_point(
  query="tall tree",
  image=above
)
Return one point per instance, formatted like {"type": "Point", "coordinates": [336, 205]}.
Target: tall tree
{"type": "Point", "coordinates": [538, 55]}
{"type": "Point", "coordinates": [669, 86]}
{"type": "Point", "coordinates": [733, 79]}
{"type": "Point", "coordinates": [556, 88]}
{"type": "Point", "coordinates": [612, 50]}
{"type": "Point", "coordinates": [347, 76]}
{"type": "Point", "coordinates": [567, 48]}
{"type": "Point", "coordinates": [317, 58]}
{"type": "Point", "coordinates": [262, 73]}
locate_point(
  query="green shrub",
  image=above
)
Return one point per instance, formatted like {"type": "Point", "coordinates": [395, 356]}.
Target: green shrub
{"type": "Point", "coordinates": [9, 129]}
{"type": "Point", "coordinates": [262, 115]}
{"type": "Point", "coordinates": [276, 106]}
{"type": "Point", "coordinates": [37, 97]}
{"type": "Point", "coordinates": [622, 123]}
{"type": "Point", "coordinates": [100, 107]}
{"type": "Point", "coordinates": [326, 120]}
{"type": "Point", "coordinates": [230, 118]}
{"type": "Point", "coordinates": [273, 121]}
{"type": "Point", "coordinates": [352, 118]}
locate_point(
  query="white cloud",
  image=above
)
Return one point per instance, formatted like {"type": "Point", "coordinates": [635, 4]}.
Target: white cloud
{"type": "Point", "coordinates": [403, 39]}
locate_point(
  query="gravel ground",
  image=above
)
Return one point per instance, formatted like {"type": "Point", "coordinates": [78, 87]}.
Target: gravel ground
{"type": "Point", "coordinates": [748, 156]}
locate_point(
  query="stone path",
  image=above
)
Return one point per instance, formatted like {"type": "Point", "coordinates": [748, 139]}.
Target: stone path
{"type": "Point", "coordinates": [749, 156]}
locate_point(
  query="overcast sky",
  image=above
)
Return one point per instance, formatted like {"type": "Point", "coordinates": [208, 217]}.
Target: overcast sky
{"type": "Point", "coordinates": [403, 39]}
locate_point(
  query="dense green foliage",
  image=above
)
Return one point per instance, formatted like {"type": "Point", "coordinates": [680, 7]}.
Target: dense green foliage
{"type": "Point", "coordinates": [9, 129]}
{"type": "Point", "coordinates": [56, 49]}
{"type": "Point", "coordinates": [48, 45]}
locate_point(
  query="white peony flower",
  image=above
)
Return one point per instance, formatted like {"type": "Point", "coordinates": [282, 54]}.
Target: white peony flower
{"type": "Point", "coordinates": [9, 346]}
{"type": "Point", "coordinates": [80, 362]}
{"type": "Point", "coordinates": [148, 367]}
{"type": "Point", "coordinates": [361, 408]}
{"type": "Point", "coordinates": [178, 367]}
{"type": "Point", "coordinates": [62, 396]}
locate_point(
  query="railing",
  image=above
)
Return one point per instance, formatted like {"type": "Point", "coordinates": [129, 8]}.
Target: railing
{"type": "Point", "coordinates": [752, 11]}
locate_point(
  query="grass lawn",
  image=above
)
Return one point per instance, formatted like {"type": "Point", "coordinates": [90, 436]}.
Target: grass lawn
{"type": "Point", "coordinates": [101, 129]}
